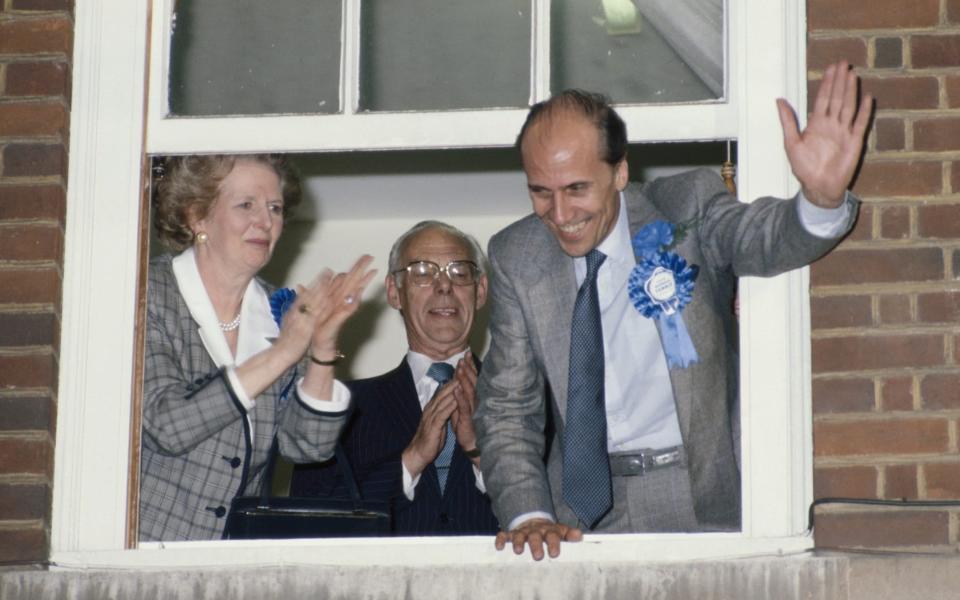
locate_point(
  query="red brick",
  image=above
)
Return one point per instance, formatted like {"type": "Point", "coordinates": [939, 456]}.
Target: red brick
{"type": "Point", "coordinates": [856, 353]}
{"type": "Point", "coordinates": [30, 370]}
{"type": "Point", "coordinates": [20, 160]}
{"type": "Point", "coordinates": [900, 481]}
{"type": "Point", "coordinates": [32, 118]}
{"type": "Point", "coordinates": [863, 228]}
{"type": "Point", "coordinates": [902, 92]}
{"type": "Point", "coordinates": [32, 202]}
{"type": "Point", "coordinates": [855, 482]}
{"type": "Point", "coordinates": [955, 177]}
{"type": "Point", "coordinates": [943, 480]}
{"type": "Point", "coordinates": [936, 135]}
{"type": "Point", "coordinates": [53, 35]}
{"type": "Point", "coordinates": [896, 393]}
{"type": "Point", "coordinates": [23, 545]}
{"type": "Point", "coordinates": [939, 221]}
{"type": "Point", "coordinates": [836, 14]}
{"type": "Point", "coordinates": [25, 413]}
{"type": "Point", "coordinates": [888, 53]}
{"type": "Point", "coordinates": [842, 395]}
{"type": "Point", "coordinates": [42, 4]}
{"type": "Point", "coordinates": [27, 329]}
{"type": "Point", "coordinates": [941, 391]}
{"type": "Point", "coordinates": [895, 222]}
{"type": "Point", "coordinates": [895, 178]}
{"type": "Point", "coordinates": [31, 242]}
{"type": "Point", "coordinates": [894, 310]}
{"type": "Point", "coordinates": [840, 311]}
{"type": "Point", "coordinates": [953, 11]}
{"type": "Point", "coordinates": [30, 286]}
{"type": "Point", "coordinates": [38, 78]}
{"type": "Point", "coordinates": [822, 52]}
{"type": "Point", "coordinates": [890, 134]}
{"type": "Point", "coordinates": [934, 51]}
{"type": "Point", "coordinates": [24, 501]}
{"type": "Point", "coordinates": [25, 456]}
{"type": "Point", "coordinates": [953, 91]}
{"type": "Point", "coordinates": [881, 437]}
{"type": "Point", "coordinates": [892, 265]}
{"type": "Point", "coordinates": [938, 307]}
{"type": "Point", "coordinates": [881, 528]}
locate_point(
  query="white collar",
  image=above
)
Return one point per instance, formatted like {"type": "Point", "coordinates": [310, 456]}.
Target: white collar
{"type": "Point", "coordinates": [617, 244]}
{"type": "Point", "coordinates": [257, 327]}
{"type": "Point", "coordinates": [420, 363]}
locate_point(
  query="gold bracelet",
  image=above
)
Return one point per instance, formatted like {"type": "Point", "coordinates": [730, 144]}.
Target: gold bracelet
{"type": "Point", "coordinates": [337, 355]}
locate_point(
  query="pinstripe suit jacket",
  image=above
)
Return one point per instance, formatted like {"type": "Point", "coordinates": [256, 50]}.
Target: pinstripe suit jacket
{"type": "Point", "coordinates": [197, 448]}
{"type": "Point", "coordinates": [533, 290]}
{"type": "Point", "coordinates": [386, 415]}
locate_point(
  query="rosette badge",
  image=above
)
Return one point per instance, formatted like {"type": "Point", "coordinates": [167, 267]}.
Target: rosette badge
{"type": "Point", "coordinates": [660, 286]}
{"type": "Point", "coordinates": [280, 302]}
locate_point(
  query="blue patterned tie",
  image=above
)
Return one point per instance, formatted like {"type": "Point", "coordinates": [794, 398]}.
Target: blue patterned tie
{"type": "Point", "coordinates": [586, 465]}
{"type": "Point", "coordinates": [442, 373]}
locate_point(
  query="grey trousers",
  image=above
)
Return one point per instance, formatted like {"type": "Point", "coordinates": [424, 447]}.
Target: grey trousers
{"type": "Point", "coordinates": [658, 501]}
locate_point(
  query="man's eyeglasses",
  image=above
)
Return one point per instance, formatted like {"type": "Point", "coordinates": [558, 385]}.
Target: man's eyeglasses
{"type": "Point", "coordinates": [423, 273]}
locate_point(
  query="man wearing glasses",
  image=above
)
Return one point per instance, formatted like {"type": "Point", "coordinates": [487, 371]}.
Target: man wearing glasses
{"type": "Point", "coordinates": [411, 438]}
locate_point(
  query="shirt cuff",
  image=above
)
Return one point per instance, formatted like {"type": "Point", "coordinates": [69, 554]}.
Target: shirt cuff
{"type": "Point", "coordinates": [409, 482]}
{"type": "Point", "coordinates": [478, 477]}
{"type": "Point", "coordinates": [238, 390]}
{"type": "Point", "coordinates": [338, 403]}
{"type": "Point", "coordinates": [537, 514]}
{"type": "Point", "coordinates": [823, 222]}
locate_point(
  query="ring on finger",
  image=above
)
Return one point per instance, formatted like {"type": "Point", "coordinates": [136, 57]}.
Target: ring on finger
{"type": "Point", "coordinates": [349, 299]}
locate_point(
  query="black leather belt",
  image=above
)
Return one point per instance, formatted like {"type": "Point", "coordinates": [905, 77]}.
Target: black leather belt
{"type": "Point", "coordinates": [638, 463]}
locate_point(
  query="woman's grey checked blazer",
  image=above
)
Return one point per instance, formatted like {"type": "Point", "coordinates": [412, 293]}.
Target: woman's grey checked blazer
{"type": "Point", "coordinates": [198, 451]}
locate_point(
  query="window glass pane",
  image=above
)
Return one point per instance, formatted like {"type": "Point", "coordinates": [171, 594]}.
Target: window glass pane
{"type": "Point", "coordinates": [244, 57]}
{"type": "Point", "coordinates": [639, 51]}
{"type": "Point", "coordinates": [429, 55]}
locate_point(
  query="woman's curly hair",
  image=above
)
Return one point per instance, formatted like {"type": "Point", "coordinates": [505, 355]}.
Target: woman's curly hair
{"type": "Point", "coordinates": [188, 187]}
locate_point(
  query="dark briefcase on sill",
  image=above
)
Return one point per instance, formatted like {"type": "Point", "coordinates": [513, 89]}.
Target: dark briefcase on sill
{"type": "Point", "coordinates": [277, 517]}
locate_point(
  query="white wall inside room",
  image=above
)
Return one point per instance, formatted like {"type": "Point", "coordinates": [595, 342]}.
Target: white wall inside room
{"type": "Point", "coordinates": [357, 203]}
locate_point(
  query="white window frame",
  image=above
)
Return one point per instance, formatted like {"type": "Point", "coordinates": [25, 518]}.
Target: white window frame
{"type": "Point", "coordinates": [92, 461]}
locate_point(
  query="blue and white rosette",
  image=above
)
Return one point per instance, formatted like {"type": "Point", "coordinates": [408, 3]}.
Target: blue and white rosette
{"type": "Point", "coordinates": [660, 286]}
{"type": "Point", "coordinates": [280, 302]}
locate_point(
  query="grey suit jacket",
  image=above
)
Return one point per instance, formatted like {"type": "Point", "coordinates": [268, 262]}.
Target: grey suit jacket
{"type": "Point", "coordinates": [533, 289]}
{"type": "Point", "coordinates": [197, 448]}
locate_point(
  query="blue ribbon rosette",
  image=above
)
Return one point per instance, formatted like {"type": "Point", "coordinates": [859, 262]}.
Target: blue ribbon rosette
{"type": "Point", "coordinates": [660, 286]}
{"type": "Point", "coordinates": [280, 302]}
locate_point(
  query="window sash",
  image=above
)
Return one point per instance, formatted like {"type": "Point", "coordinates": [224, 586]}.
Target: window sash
{"type": "Point", "coordinates": [350, 130]}
{"type": "Point", "coordinates": [101, 278]}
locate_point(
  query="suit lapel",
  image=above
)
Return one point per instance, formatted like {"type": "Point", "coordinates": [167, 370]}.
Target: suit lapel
{"type": "Point", "coordinates": [550, 298]}
{"type": "Point", "coordinates": [641, 212]}
{"type": "Point", "coordinates": [402, 402]}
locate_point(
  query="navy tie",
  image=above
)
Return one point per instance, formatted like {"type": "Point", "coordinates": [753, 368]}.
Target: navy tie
{"type": "Point", "coordinates": [442, 373]}
{"type": "Point", "coordinates": [586, 464]}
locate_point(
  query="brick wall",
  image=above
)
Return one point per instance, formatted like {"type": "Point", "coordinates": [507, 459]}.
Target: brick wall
{"type": "Point", "coordinates": [35, 47]}
{"type": "Point", "coordinates": [886, 304]}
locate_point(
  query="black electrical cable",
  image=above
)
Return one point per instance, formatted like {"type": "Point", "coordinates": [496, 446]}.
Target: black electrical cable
{"type": "Point", "coordinates": [902, 503]}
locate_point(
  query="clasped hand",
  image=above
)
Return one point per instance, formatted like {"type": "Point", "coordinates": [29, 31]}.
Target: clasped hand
{"type": "Point", "coordinates": [454, 402]}
{"type": "Point", "coordinates": [321, 308]}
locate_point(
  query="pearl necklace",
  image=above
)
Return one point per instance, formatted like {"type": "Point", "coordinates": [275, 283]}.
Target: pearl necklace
{"type": "Point", "coordinates": [225, 327]}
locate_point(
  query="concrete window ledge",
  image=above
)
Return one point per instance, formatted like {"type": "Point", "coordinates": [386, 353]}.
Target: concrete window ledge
{"type": "Point", "coordinates": [797, 577]}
